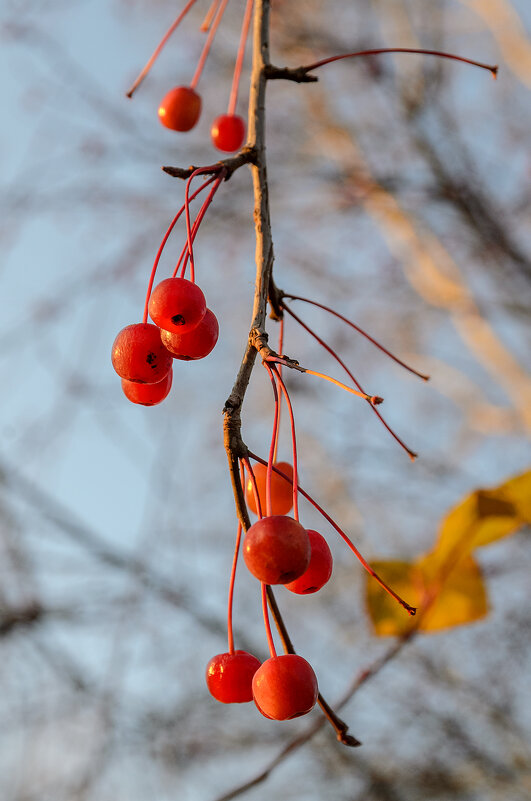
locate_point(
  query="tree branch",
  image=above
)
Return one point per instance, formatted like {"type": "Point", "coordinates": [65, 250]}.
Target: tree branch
{"type": "Point", "coordinates": [13, 617]}
{"type": "Point", "coordinates": [264, 290]}
{"type": "Point", "coordinates": [247, 155]}
{"type": "Point", "coordinates": [296, 74]}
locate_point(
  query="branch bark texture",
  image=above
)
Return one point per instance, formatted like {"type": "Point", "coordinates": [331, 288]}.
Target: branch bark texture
{"type": "Point", "coordinates": [263, 254]}
{"type": "Point", "coordinates": [264, 289]}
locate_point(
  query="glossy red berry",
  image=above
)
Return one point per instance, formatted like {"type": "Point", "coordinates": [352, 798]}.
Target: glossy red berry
{"type": "Point", "coordinates": [139, 355]}
{"type": "Point", "coordinates": [285, 687]}
{"type": "Point", "coordinates": [180, 108]}
{"type": "Point", "coordinates": [147, 394]}
{"type": "Point", "coordinates": [228, 132]}
{"type": "Point", "coordinates": [194, 344]}
{"type": "Point", "coordinates": [229, 677]}
{"type": "Point", "coordinates": [276, 549]}
{"type": "Point", "coordinates": [318, 571]}
{"type": "Point", "coordinates": [281, 490]}
{"type": "Point", "coordinates": [177, 305]}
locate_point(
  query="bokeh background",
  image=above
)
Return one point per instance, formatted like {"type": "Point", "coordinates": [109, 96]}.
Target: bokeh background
{"type": "Point", "coordinates": [400, 196]}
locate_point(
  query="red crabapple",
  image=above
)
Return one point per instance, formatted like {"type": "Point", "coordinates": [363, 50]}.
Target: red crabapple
{"type": "Point", "coordinates": [285, 687]}
{"type": "Point", "coordinates": [139, 355]}
{"type": "Point", "coordinates": [194, 344]}
{"type": "Point", "coordinates": [229, 677]}
{"type": "Point", "coordinates": [180, 108]}
{"type": "Point", "coordinates": [276, 549]}
{"type": "Point", "coordinates": [147, 394]}
{"type": "Point", "coordinates": [177, 305]}
{"type": "Point", "coordinates": [228, 132]}
{"type": "Point", "coordinates": [281, 490]}
{"type": "Point", "coordinates": [318, 571]}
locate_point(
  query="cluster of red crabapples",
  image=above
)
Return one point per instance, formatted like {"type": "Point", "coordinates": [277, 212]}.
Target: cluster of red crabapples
{"type": "Point", "coordinates": [180, 108]}
{"type": "Point", "coordinates": [277, 550]}
{"type": "Point", "coordinates": [143, 353]}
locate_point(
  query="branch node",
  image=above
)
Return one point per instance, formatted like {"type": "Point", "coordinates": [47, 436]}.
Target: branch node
{"type": "Point", "coordinates": [232, 432]}
{"type": "Point", "coordinates": [258, 340]}
{"type": "Point", "coordinates": [275, 296]}
{"type": "Point", "coordinates": [348, 739]}
{"type": "Point", "coordinates": [295, 74]}
{"type": "Point", "coordinates": [247, 155]}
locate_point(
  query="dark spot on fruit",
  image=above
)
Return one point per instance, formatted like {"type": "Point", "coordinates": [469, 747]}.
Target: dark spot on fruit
{"type": "Point", "coordinates": [285, 578]}
{"type": "Point", "coordinates": [178, 319]}
{"type": "Point", "coordinates": [151, 359]}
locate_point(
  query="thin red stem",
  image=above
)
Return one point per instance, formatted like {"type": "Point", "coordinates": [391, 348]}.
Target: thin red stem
{"type": "Point", "coordinates": [377, 51]}
{"type": "Point", "coordinates": [183, 259]}
{"type": "Point", "coordinates": [197, 222]}
{"type": "Point", "coordinates": [230, 634]}
{"type": "Point", "coordinates": [412, 455]}
{"type": "Point", "coordinates": [207, 22]}
{"type": "Point", "coordinates": [373, 399]}
{"type": "Point", "coordinates": [189, 227]}
{"type": "Point", "coordinates": [293, 445]}
{"type": "Point", "coordinates": [159, 47]}
{"type": "Point", "coordinates": [360, 331]}
{"type": "Point", "coordinates": [279, 369]}
{"type": "Point", "coordinates": [273, 442]}
{"type": "Point", "coordinates": [269, 633]}
{"type": "Point", "coordinates": [231, 588]}
{"type": "Point", "coordinates": [252, 479]}
{"type": "Point", "coordinates": [410, 609]}
{"type": "Point", "coordinates": [162, 244]}
{"type": "Point", "coordinates": [208, 43]}
{"type": "Point", "coordinates": [239, 59]}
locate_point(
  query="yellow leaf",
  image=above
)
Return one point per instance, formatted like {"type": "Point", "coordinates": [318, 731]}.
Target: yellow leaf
{"type": "Point", "coordinates": [446, 585]}
{"type": "Point", "coordinates": [445, 597]}
{"type": "Point", "coordinates": [485, 516]}
{"type": "Point", "coordinates": [457, 598]}
{"type": "Point", "coordinates": [387, 616]}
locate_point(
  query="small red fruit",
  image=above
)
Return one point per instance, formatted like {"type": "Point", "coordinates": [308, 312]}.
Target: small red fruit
{"type": "Point", "coordinates": [147, 394]}
{"type": "Point", "coordinates": [229, 677]}
{"type": "Point", "coordinates": [139, 355]}
{"type": "Point", "coordinates": [177, 305]}
{"type": "Point", "coordinates": [285, 687]}
{"type": "Point", "coordinates": [318, 571]}
{"type": "Point", "coordinates": [276, 549]}
{"type": "Point", "coordinates": [194, 344]}
{"type": "Point", "coordinates": [281, 490]}
{"type": "Point", "coordinates": [228, 132]}
{"type": "Point", "coordinates": [180, 108]}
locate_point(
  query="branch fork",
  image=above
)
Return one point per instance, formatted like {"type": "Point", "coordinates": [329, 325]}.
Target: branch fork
{"type": "Point", "coordinates": [247, 155]}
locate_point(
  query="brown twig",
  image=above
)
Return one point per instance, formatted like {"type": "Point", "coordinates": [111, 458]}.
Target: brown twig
{"type": "Point", "coordinates": [264, 288]}
{"type": "Point", "coordinates": [15, 617]}
{"type": "Point", "coordinates": [301, 74]}
{"type": "Point", "coordinates": [247, 155]}
{"type": "Point", "coordinates": [296, 74]}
